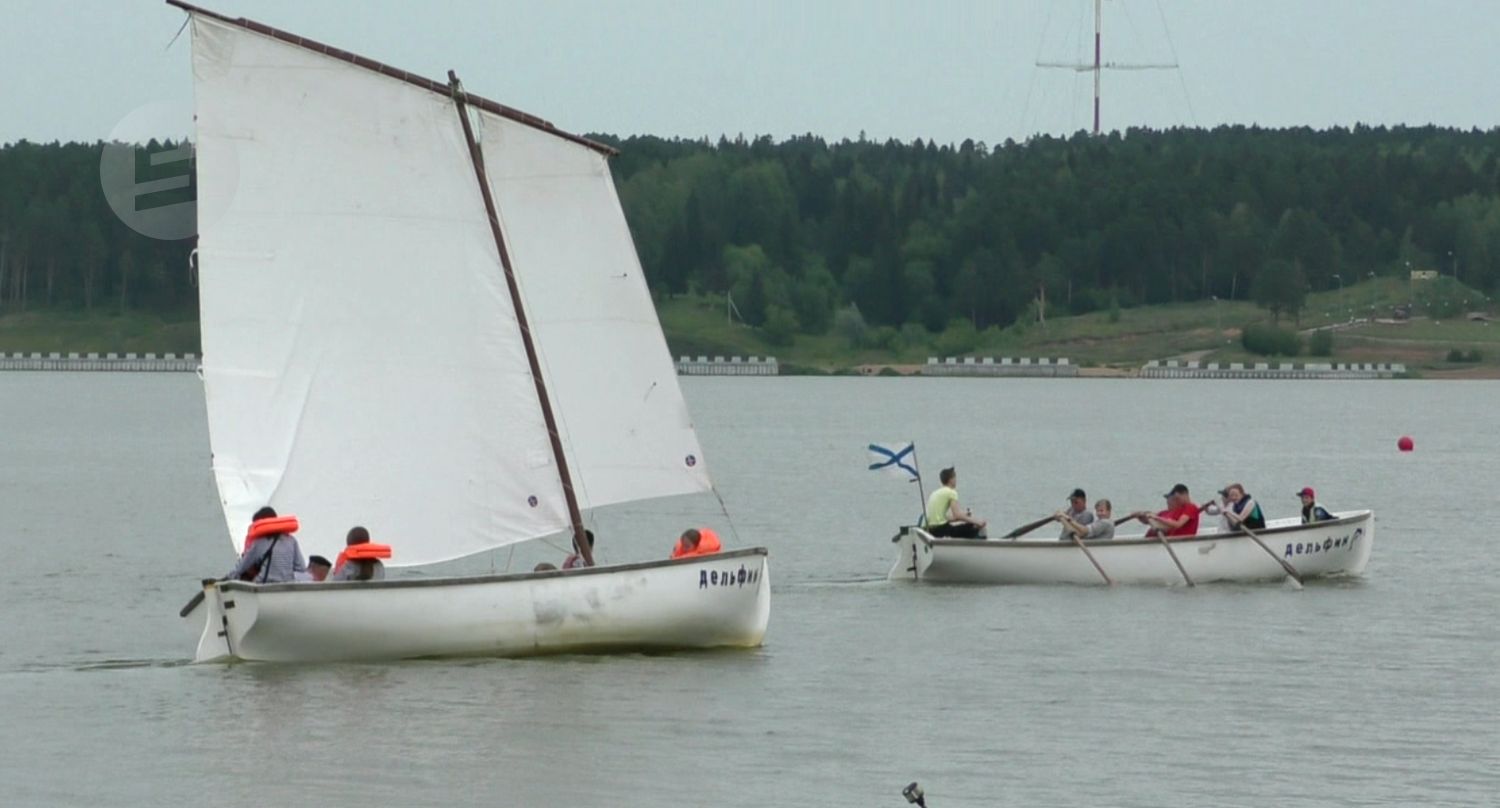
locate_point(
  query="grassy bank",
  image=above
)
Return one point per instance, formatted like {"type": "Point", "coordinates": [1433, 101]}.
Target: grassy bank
{"type": "Point", "coordinates": [82, 332]}
{"type": "Point", "coordinates": [1126, 338]}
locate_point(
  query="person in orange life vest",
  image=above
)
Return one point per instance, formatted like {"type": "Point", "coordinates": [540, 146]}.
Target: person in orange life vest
{"type": "Point", "coordinates": [360, 560]}
{"type": "Point", "coordinates": [574, 560]}
{"type": "Point", "coordinates": [271, 553]}
{"type": "Point", "coordinates": [696, 542]}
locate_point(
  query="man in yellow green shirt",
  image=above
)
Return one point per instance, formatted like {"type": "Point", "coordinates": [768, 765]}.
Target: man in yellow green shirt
{"type": "Point", "coordinates": [944, 516]}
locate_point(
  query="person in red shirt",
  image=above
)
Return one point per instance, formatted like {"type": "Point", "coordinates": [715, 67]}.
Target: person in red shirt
{"type": "Point", "coordinates": [1179, 519]}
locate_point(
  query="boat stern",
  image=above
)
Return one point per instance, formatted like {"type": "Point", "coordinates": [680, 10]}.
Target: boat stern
{"type": "Point", "coordinates": [913, 554]}
{"type": "Point", "coordinates": [213, 638]}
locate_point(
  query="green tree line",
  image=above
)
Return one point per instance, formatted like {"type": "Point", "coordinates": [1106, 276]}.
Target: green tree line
{"type": "Point", "coordinates": [798, 231]}
{"type": "Point", "coordinates": [61, 247]}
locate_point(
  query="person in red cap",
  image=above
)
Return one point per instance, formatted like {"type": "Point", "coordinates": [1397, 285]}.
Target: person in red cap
{"type": "Point", "coordinates": [1311, 510]}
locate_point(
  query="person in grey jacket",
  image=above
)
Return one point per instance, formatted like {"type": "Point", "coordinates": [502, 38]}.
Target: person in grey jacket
{"type": "Point", "coordinates": [363, 569]}
{"type": "Point", "coordinates": [1101, 527]}
{"type": "Point", "coordinates": [1078, 513]}
{"type": "Point", "coordinates": [270, 559]}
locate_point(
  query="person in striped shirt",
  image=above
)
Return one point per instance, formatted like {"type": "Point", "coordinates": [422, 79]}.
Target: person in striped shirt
{"type": "Point", "coordinates": [270, 559]}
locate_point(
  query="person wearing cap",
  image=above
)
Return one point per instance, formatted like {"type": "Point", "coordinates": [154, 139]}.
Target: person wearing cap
{"type": "Point", "coordinates": [1179, 519]}
{"type": "Point", "coordinates": [1078, 513]}
{"type": "Point", "coordinates": [945, 518]}
{"type": "Point", "coordinates": [1238, 508]}
{"type": "Point", "coordinates": [1311, 510]}
{"type": "Point", "coordinates": [317, 570]}
{"type": "Point", "coordinates": [1100, 526]}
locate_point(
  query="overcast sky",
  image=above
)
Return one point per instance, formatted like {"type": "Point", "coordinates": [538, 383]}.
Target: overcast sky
{"type": "Point", "coordinates": [941, 69]}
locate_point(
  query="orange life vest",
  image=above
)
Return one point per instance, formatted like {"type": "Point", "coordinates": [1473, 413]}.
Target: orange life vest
{"type": "Point", "coordinates": [262, 528]}
{"type": "Point", "coordinates": [361, 552]}
{"type": "Point", "coordinates": [708, 544]}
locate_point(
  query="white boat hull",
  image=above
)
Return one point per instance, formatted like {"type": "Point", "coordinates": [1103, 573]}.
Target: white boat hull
{"type": "Point", "coordinates": [1339, 547]}
{"type": "Point", "coordinates": [715, 601]}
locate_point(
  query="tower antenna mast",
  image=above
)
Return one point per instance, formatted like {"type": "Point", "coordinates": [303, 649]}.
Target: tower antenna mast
{"type": "Point", "coordinates": [1098, 66]}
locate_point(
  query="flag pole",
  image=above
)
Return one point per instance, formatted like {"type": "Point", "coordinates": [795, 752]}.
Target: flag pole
{"type": "Point", "coordinates": [921, 490]}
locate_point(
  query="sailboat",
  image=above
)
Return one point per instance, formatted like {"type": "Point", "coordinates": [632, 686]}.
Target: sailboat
{"type": "Point", "coordinates": [422, 312]}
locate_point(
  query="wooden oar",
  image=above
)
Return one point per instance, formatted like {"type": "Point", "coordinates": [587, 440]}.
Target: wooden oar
{"type": "Point", "coordinates": [1175, 560]}
{"type": "Point", "coordinates": [1026, 528]}
{"type": "Point", "coordinates": [1167, 544]}
{"type": "Point", "coordinates": [1163, 539]}
{"type": "Point", "coordinates": [1286, 565]}
{"type": "Point", "coordinates": [191, 604]}
{"type": "Point", "coordinates": [1084, 547]}
{"type": "Point", "coordinates": [194, 600]}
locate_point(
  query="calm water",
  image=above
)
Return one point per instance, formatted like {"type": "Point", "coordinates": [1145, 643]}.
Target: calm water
{"type": "Point", "coordinates": [1376, 692]}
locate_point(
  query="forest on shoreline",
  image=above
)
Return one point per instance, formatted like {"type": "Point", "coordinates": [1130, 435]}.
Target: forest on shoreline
{"type": "Point", "coordinates": [802, 232]}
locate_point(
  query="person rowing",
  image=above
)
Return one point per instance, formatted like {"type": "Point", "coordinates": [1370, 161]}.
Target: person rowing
{"type": "Point", "coordinates": [1179, 519]}
{"type": "Point", "coordinates": [1099, 526]}
{"type": "Point", "coordinates": [945, 519]}
{"type": "Point", "coordinates": [1078, 512]}
{"type": "Point", "coordinates": [1235, 510]}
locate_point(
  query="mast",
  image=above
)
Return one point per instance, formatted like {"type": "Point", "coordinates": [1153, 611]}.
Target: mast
{"type": "Point", "coordinates": [1098, 67]}
{"type": "Point", "coordinates": [476, 155]}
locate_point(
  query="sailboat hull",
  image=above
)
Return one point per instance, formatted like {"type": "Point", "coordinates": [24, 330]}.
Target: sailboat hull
{"type": "Point", "coordinates": [715, 601]}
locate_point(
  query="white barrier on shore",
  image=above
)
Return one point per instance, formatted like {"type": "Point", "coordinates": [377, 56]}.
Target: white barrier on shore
{"type": "Point", "coordinates": [136, 363]}
{"type": "Point", "coordinates": [1175, 369]}
{"type": "Point", "coordinates": [733, 366]}
{"type": "Point", "coordinates": [1004, 366]}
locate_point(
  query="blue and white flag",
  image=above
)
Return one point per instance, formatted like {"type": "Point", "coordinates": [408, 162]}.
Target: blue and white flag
{"type": "Point", "coordinates": [897, 459]}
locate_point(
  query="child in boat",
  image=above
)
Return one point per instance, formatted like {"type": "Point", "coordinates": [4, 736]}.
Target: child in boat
{"type": "Point", "coordinates": [696, 542]}
{"type": "Point", "coordinates": [318, 568]}
{"type": "Point", "coordinates": [1311, 510]}
{"type": "Point", "coordinates": [1102, 526]}
{"type": "Point", "coordinates": [360, 560]}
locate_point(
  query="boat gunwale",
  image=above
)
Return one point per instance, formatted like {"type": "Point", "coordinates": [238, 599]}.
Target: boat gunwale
{"type": "Point", "coordinates": [1355, 516]}
{"type": "Point", "coordinates": [468, 580]}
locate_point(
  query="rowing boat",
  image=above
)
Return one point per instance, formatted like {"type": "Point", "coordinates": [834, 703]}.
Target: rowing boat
{"type": "Point", "coordinates": [1340, 547]}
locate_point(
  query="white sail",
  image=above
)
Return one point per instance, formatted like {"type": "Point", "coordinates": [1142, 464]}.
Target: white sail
{"type": "Point", "coordinates": [626, 430]}
{"type": "Point", "coordinates": [361, 358]}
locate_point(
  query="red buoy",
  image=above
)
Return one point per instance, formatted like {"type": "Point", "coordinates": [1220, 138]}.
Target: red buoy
{"type": "Point", "coordinates": [1405, 444]}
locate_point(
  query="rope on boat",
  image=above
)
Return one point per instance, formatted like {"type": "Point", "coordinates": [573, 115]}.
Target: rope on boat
{"type": "Point", "coordinates": [724, 509]}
